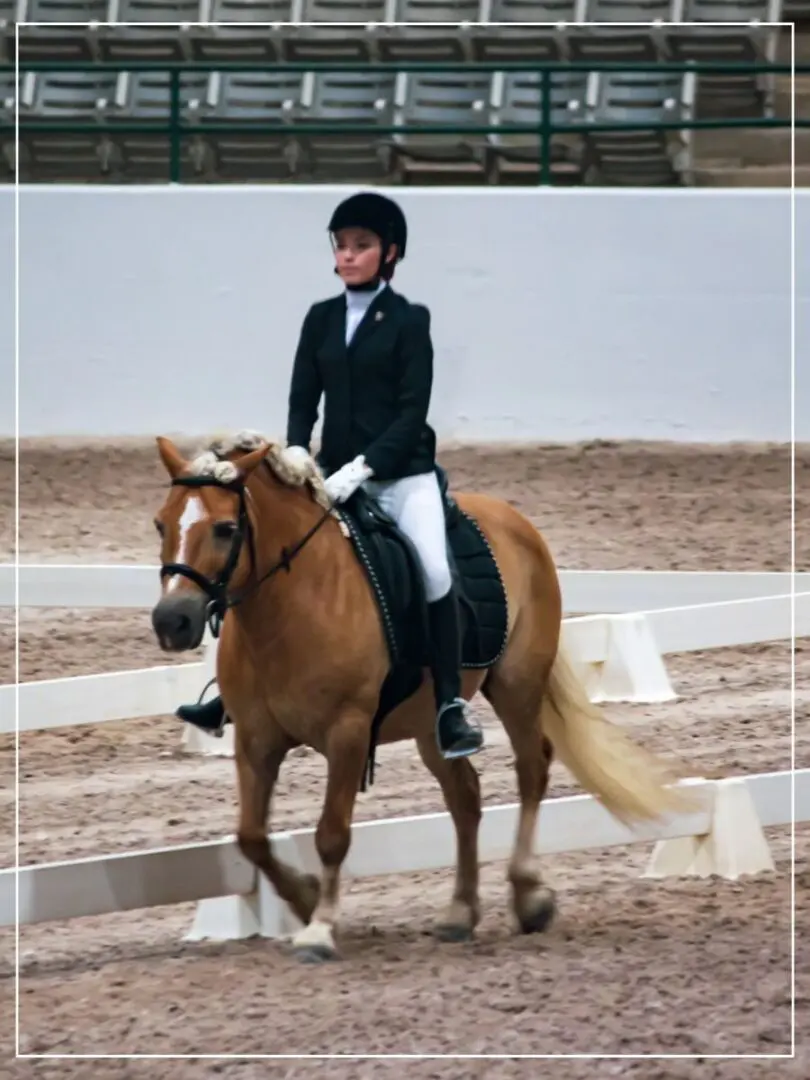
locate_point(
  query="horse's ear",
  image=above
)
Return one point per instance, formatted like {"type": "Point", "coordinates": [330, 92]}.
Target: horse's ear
{"type": "Point", "coordinates": [172, 459]}
{"type": "Point", "coordinates": [248, 462]}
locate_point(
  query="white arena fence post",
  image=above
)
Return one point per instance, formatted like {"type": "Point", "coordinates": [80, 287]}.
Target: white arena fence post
{"type": "Point", "coordinates": [619, 658]}
{"type": "Point", "coordinates": [734, 845]}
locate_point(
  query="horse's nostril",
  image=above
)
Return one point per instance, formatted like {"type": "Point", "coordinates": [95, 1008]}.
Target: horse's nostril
{"type": "Point", "coordinates": [176, 625]}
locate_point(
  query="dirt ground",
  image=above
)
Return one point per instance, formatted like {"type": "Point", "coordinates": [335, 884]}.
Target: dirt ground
{"type": "Point", "coordinates": [630, 967]}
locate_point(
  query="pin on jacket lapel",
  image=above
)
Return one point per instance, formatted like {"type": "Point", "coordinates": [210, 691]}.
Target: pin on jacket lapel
{"type": "Point", "coordinates": [372, 319]}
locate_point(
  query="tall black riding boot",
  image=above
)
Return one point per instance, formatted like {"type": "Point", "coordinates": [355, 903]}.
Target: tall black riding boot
{"type": "Point", "coordinates": [454, 733]}
{"type": "Point", "coordinates": [210, 717]}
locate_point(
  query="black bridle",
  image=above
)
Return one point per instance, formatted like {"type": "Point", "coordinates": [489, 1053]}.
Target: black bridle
{"type": "Point", "coordinates": [216, 589]}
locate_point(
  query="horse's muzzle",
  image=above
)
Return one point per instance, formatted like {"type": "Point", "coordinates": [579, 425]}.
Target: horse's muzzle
{"type": "Point", "coordinates": [179, 621]}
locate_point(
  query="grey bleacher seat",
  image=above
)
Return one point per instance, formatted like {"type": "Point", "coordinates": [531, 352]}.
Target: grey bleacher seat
{"type": "Point", "coordinates": [150, 43]}
{"type": "Point", "coordinates": [460, 100]}
{"type": "Point", "coordinates": [84, 97]}
{"type": "Point", "coordinates": [348, 99]}
{"type": "Point", "coordinates": [623, 42]}
{"type": "Point", "coordinates": [630, 11]}
{"type": "Point", "coordinates": [436, 11]}
{"type": "Point", "coordinates": [8, 105]}
{"type": "Point", "coordinates": [361, 12]}
{"type": "Point", "coordinates": [238, 40]}
{"type": "Point", "coordinates": [518, 99]}
{"type": "Point", "coordinates": [729, 95]}
{"type": "Point", "coordinates": [144, 97]}
{"type": "Point", "coordinates": [78, 95]}
{"type": "Point", "coordinates": [549, 41]}
{"type": "Point", "coordinates": [553, 12]}
{"type": "Point", "coordinates": [246, 100]}
{"type": "Point", "coordinates": [69, 43]}
{"type": "Point", "coordinates": [540, 45]}
{"type": "Point", "coordinates": [645, 157]}
{"type": "Point", "coordinates": [320, 44]}
{"type": "Point", "coordinates": [435, 43]}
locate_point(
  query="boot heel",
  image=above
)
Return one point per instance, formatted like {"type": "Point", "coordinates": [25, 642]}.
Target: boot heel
{"type": "Point", "coordinates": [209, 717]}
{"type": "Point", "coordinates": [456, 737]}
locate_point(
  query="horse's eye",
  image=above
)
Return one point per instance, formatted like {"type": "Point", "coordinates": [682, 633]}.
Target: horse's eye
{"type": "Point", "coordinates": [224, 530]}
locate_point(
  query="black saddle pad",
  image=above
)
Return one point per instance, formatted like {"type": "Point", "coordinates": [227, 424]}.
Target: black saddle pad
{"type": "Point", "coordinates": [392, 566]}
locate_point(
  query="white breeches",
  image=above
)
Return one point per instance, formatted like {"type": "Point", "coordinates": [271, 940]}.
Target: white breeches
{"type": "Point", "coordinates": [415, 503]}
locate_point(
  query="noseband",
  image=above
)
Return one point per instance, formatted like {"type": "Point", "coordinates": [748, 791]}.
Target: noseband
{"type": "Point", "coordinates": [216, 588]}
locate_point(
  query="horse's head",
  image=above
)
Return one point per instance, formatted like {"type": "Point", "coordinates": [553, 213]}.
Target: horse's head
{"type": "Point", "coordinates": [206, 541]}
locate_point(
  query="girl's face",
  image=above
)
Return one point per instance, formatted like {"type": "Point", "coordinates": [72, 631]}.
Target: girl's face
{"type": "Point", "coordinates": [357, 255]}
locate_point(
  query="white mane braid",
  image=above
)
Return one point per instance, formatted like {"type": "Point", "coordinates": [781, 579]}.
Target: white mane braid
{"type": "Point", "coordinates": [209, 462]}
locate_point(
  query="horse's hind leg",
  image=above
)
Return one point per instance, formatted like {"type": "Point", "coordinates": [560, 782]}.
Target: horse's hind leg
{"type": "Point", "coordinates": [462, 795]}
{"type": "Point", "coordinates": [518, 708]}
{"type": "Point", "coordinates": [258, 760]}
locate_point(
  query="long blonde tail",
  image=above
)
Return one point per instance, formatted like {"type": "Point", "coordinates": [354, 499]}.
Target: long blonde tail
{"type": "Point", "coordinates": [629, 781]}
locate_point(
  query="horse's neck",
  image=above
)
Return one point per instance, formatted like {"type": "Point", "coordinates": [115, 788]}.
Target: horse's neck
{"type": "Point", "coordinates": [282, 518]}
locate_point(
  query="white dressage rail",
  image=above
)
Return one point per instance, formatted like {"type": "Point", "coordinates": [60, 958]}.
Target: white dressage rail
{"type": "Point", "coordinates": [584, 591]}
{"type": "Point", "coordinates": [112, 883]}
{"type": "Point", "coordinates": [623, 653]}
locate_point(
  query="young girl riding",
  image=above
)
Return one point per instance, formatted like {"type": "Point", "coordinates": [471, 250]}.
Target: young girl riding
{"type": "Point", "coordinates": [369, 354]}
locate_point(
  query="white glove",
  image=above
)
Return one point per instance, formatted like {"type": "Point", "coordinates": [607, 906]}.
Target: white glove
{"type": "Point", "coordinates": [295, 456]}
{"type": "Point", "coordinates": [342, 485]}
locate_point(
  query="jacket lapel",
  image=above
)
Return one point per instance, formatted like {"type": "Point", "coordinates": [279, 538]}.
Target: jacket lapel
{"type": "Point", "coordinates": [336, 329]}
{"type": "Point", "coordinates": [379, 310]}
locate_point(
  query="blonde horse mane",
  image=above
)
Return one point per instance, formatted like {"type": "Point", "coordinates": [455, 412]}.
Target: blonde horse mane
{"type": "Point", "coordinates": [212, 461]}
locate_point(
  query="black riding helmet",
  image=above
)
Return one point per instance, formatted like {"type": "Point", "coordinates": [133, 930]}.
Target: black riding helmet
{"type": "Point", "coordinates": [378, 214]}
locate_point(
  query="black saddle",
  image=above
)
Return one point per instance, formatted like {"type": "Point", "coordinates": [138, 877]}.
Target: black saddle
{"type": "Point", "coordinates": [392, 566]}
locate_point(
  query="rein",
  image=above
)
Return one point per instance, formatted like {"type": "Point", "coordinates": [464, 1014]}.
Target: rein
{"type": "Point", "coordinates": [216, 589]}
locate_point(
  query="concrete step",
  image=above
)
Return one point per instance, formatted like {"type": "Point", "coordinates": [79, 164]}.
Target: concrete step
{"type": "Point", "coordinates": [782, 95]}
{"type": "Point", "coordinates": [762, 176]}
{"type": "Point", "coordinates": [752, 146]}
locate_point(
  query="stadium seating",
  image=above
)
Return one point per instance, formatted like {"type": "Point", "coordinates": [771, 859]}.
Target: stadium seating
{"type": "Point", "coordinates": [249, 115]}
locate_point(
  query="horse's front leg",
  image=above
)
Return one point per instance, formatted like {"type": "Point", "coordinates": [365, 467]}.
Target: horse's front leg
{"type": "Point", "coordinates": [259, 756]}
{"type": "Point", "coordinates": [346, 754]}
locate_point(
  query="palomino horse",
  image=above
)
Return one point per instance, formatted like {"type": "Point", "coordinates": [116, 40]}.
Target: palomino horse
{"type": "Point", "coordinates": [303, 656]}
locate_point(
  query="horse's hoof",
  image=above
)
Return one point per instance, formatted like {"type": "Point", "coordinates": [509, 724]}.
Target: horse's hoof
{"type": "Point", "coordinates": [450, 933]}
{"type": "Point", "coordinates": [540, 913]}
{"type": "Point", "coordinates": [314, 944]}
{"type": "Point", "coordinates": [315, 954]}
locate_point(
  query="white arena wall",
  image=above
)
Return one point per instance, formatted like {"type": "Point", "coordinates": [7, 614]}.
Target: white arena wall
{"type": "Point", "coordinates": [557, 315]}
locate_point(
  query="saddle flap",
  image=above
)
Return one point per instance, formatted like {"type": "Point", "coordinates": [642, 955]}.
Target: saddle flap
{"type": "Point", "coordinates": [368, 513]}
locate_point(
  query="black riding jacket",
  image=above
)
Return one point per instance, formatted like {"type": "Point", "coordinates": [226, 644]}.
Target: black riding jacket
{"type": "Point", "coordinates": [376, 390]}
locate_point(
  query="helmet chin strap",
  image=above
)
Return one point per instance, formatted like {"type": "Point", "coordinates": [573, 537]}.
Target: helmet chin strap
{"type": "Point", "coordinates": [367, 286]}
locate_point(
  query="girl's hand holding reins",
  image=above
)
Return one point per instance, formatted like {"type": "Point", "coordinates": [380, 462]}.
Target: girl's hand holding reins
{"type": "Point", "coordinates": [296, 456]}
{"type": "Point", "coordinates": [342, 485]}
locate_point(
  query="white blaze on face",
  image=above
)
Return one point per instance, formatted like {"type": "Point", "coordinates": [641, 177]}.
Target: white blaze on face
{"type": "Point", "coordinates": [192, 513]}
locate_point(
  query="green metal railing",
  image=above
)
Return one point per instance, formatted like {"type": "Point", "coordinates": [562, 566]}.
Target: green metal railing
{"type": "Point", "coordinates": [176, 127]}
